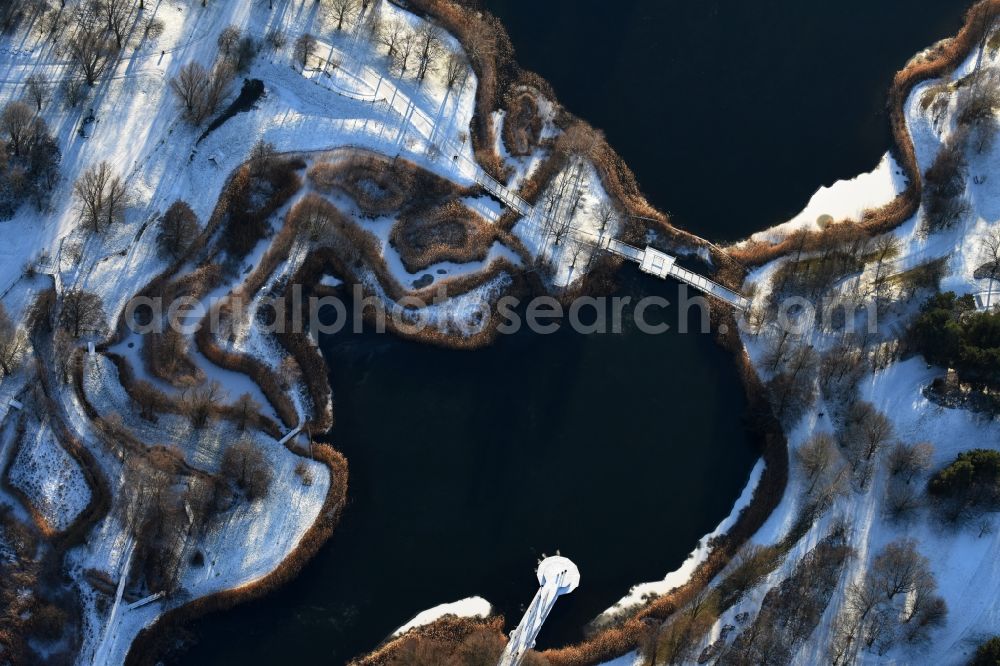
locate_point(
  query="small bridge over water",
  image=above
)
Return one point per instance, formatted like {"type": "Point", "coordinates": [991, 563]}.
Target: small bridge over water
{"type": "Point", "coordinates": [651, 261]}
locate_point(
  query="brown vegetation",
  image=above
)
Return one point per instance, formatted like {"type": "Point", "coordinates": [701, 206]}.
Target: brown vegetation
{"type": "Point", "coordinates": [450, 641]}
{"type": "Point", "coordinates": [522, 126]}
{"type": "Point", "coordinates": [245, 221]}
{"type": "Point", "coordinates": [381, 185]}
{"type": "Point", "coordinates": [450, 232]}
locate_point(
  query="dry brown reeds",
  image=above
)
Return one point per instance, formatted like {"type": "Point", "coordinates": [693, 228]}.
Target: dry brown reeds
{"type": "Point", "coordinates": [450, 232]}
{"type": "Point", "coordinates": [522, 126]}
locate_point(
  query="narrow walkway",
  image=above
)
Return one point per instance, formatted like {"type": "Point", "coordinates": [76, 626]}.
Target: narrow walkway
{"type": "Point", "coordinates": [663, 265]}
{"type": "Point", "coordinates": [556, 576]}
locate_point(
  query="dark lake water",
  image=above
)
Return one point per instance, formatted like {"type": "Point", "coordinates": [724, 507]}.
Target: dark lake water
{"type": "Point", "coordinates": [619, 450]}
{"type": "Point", "coordinates": [730, 112]}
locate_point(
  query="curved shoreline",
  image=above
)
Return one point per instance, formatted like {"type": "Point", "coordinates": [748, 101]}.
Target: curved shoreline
{"type": "Point", "coordinates": [772, 482]}
{"type": "Point", "coordinates": [932, 63]}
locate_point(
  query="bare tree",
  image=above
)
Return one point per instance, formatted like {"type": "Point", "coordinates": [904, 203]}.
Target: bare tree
{"type": "Point", "coordinates": [148, 399]}
{"type": "Point", "coordinates": [276, 39]}
{"type": "Point", "coordinates": [898, 567]}
{"type": "Point", "coordinates": [862, 597]}
{"type": "Point", "coordinates": [886, 247]}
{"type": "Point", "coordinates": [73, 91]}
{"type": "Point", "coordinates": [977, 104]}
{"type": "Point", "coordinates": [389, 35]}
{"type": "Point", "coordinates": [908, 460]}
{"type": "Point", "coordinates": [199, 91]}
{"type": "Point", "coordinates": [63, 347]}
{"type": "Point", "coordinates": [117, 15]}
{"type": "Point", "coordinates": [840, 371]}
{"type": "Point", "coordinates": [18, 126]}
{"type": "Point", "coordinates": [866, 431]}
{"type": "Point", "coordinates": [190, 86]}
{"type": "Point", "coordinates": [82, 312]}
{"type": "Point", "coordinates": [456, 69]}
{"type": "Point", "coordinates": [13, 344]}
{"type": "Point", "coordinates": [246, 409]}
{"type": "Point", "coordinates": [405, 48]}
{"type": "Point", "coordinates": [228, 39]}
{"type": "Point", "coordinates": [219, 85]}
{"type": "Point", "coordinates": [246, 465]}
{"type": "Point", "coordinates": [90, 51]}
{"type": "Point", "coordinates": [606, 213]}
{"type": "Point", "coordinates": [944, 199]}
{"type": "Point", "coordinates": [201, 403]}
{"type": "Point", "coordinates": [816, 455]}
{"type": "Point", "coordinates": [262, 158]}
{"type": "Point", "coordinates": [342, 9]}
{"type": "Point", "coordinates": [430, 46]}
{"type": "Point", "coordinates": [305, 46]}
{"type": "Point", "coordinates": [989, 248]}
{"type": "Point", "coordinates": [901, 499]}
{"type": "Point", "coordinates": [178, 230]}
{"type": "Point", "coordinates": [778, 349]}
{"type": "Point", "coordinates": [37, 89]}
{"type": "Point", "coordinates": [794, 390]}
{"type": "Point", "coordinates": [116, 199]}
{"type": "Point", "coordinates": [90, 189]}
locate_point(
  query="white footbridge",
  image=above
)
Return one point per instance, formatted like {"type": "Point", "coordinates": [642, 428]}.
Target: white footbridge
{"type": "Point", "coordinates": [556, 576]}
{"type": "Point", "coordinates": [651, 261]}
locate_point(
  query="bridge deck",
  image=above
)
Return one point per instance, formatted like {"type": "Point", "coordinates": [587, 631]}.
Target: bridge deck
{"type": "Point", "coordinates": [664, 265]}
{"type": "Point", "coordinates": [650, 260]}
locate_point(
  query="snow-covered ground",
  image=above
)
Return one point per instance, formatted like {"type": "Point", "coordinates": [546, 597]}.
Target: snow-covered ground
{"type": "Point", "coordinates": [471, 607]}
{"type": "Point", "coordinates": [844, 200]}
{"type": "Point", "coordinates": [573, 199]}
{"type": "Point", "coordinates": [138, 130]}
{"type": "Point", "coordinates": [964, 560]}
{"type": "Point", "coordinates": [49, 477]}
{"type": "Point", "coordinates": [346, 97]}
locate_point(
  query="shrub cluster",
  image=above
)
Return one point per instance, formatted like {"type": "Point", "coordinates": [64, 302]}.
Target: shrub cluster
{"type": "Point", "coordinates": [450, 232]}
{"type": "Point", "coordinates": [522, 127]}
{"type": "Point", "coordinates": [950, 333]}
{"type": "Point", "coordinates": [254, 194]}
{"type": "Point", "coordinates": [381, 185]}
{"type": "Point", "coordinates": [971, 481]}
{"type": "Point", "coordinates": [29, 158]}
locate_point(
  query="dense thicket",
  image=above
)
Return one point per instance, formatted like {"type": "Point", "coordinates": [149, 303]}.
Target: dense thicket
{"type": "Point", "coordinates": [950, 333]}
{"type": "Point", "coordinates": [988, 653]}
{"type": "Point", "coordinates": [972, 481]}
{"type": "Point", "coordinates": [29, 158]}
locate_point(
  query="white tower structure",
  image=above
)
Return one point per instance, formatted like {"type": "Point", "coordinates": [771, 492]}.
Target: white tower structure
{"type": "Point", "coordinates": [556, 576]}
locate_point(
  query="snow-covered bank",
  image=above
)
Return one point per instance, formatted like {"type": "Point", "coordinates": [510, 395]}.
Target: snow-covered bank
{"type": "Point", "coordinates": [641, 593]}
{"type": "Point", "coordinates": [471, 607]}
{"type": "Point", "coordinates": [843, 200]}
{"type": "Point", "coordinates": [961, 557]}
